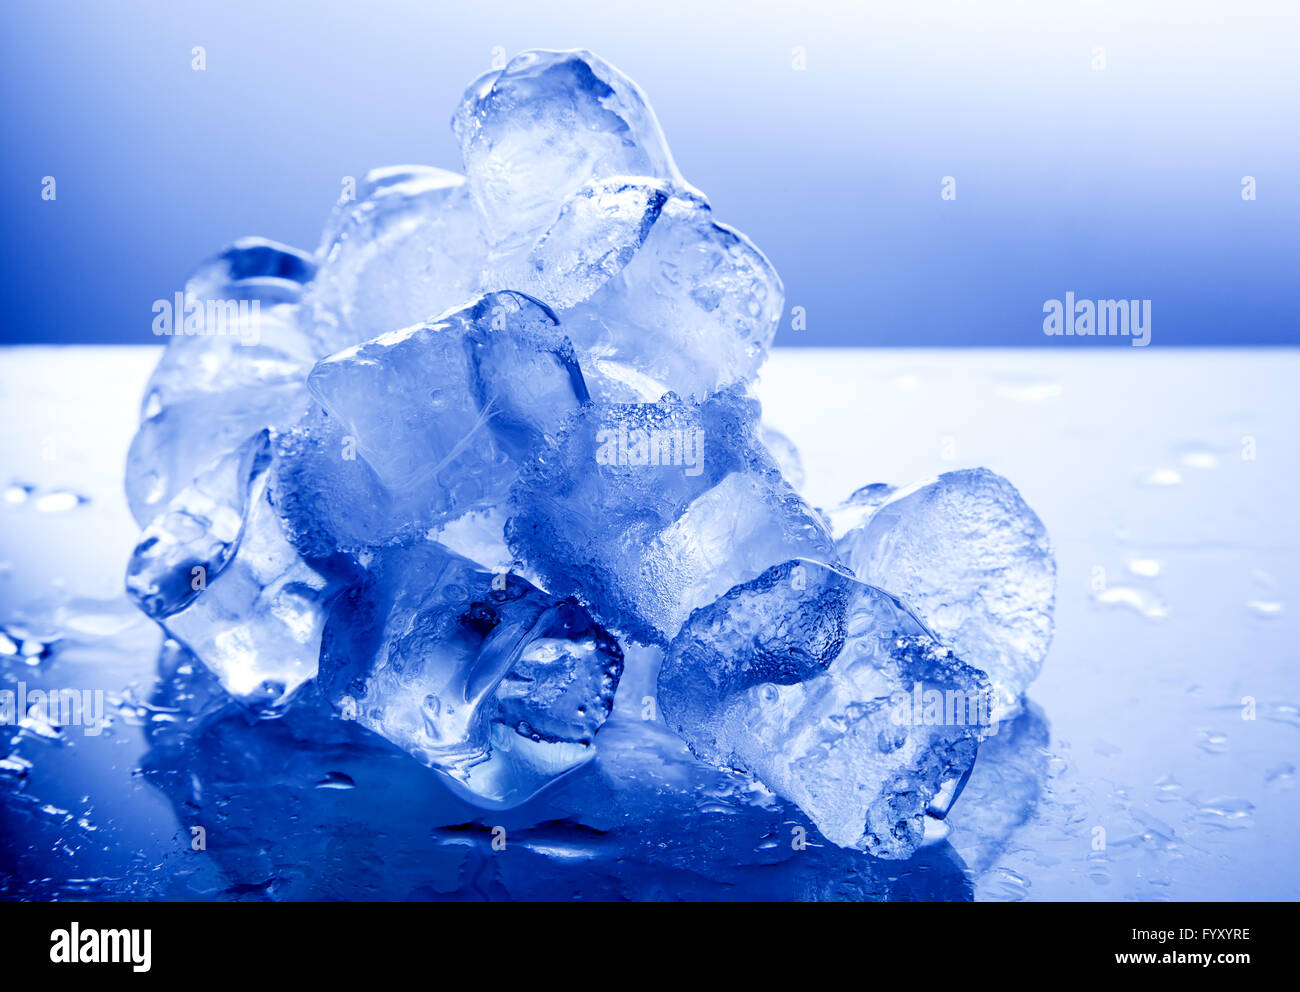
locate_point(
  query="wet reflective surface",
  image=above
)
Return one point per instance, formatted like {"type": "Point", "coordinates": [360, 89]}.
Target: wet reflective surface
{"type": "Point", "coordinates": [1156, 760]}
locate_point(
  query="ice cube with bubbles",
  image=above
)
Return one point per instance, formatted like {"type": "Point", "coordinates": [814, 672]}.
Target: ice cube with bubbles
{"type": "Point", "coordinates": [646, 511]}
{"type": "Point", "coordinates": [533, 133]}
{"type": "Point", "coordinates": [497, 685]}
{"type": "Point", "coordinates": [974, 561]}
{"type": "Point", "coordinates": [216, 572]}
{"type": "Point", "coordinates": [833, 694]}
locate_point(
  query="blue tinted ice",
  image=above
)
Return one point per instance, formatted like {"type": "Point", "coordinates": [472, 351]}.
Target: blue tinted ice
{"type": "Point", "coordinates": [535, 132]}
{"type": "Point", "coordinates": [599, 229]}
{"type": "Point", "coordinates": [974, 561]}
{"type": "Point", "coordinates": [224, 375]}
{"type": "Point", "coordinates": [248, 337]}
{"type": "Point", "coordinates": [216, 572]}
{"type": "Point", "coordinates": [583, 208]}
{"type": "Point", "coordinates": [692, 312]}
{"type": "Point", "coordinates": [404, 251]}
{"type": "Point", "coordinates": [328, 498]}
{"type": "Point", "coordinates": [427, 475]}
{"type": "Point", "coordinates": [834, 695]}
{"type": "Point", "coordinates": [648, 511]}
{"type": "Point", "coordinates": [785, 454]}
{"type": "Point", "coordinates": [440, 410]}
{"type": "Point", "coordinates": [485, 678]}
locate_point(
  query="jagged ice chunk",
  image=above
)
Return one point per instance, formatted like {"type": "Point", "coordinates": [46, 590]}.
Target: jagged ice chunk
{"type": "Point", "coordinates": [811, 680]}
{"type": "Point", "coordinates": [534, 132]}
{"type": "Point", "coordinates": [482, 676]}
{"type": "Point", "coordinates": [217, 574]}
{"type": "Point", "coordinates": [648, 511]}
{"type": "Point", "coordinates": [973, 560]}
{"type": "Point", "coordinates": [407, 249]}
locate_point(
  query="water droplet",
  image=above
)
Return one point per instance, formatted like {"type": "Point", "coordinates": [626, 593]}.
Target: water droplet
{"type": "Point", "coordinates": [1147, 568]}
{"type": "Point", "coordinates": [1212, 741]}
{"type": "Point", "coordinates": [1283, 713]}
{"type": "Point", "coordinates": [14, 766]}
{"type": "Point", "coordinates": [1162, 477]}
{"type": "Point", "coordinates": [1169, 789]}
{"type": "Point", "coordinates": [1134, 599]}
{"type": "Point", "coordinates": [1004, 885]}
{"type": "Point", "coordinates": [59, 501]}
{"type": "Point", "coordinates": [17, 493]}
{"type": "Point", "coordinates": [1265, 607]}
{"type": "Point", "coordinates": [1227, 812]}
{"type": "Point", "coordinates": [1200, 459]}
{"type": "Point", "coordinates": [1280, 776]}
{"type": "Point", "coordinates": [336, 780]}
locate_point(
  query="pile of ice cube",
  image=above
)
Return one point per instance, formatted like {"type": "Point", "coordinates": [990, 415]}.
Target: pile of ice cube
{"type": "Point", "coordinates": [499, 425]}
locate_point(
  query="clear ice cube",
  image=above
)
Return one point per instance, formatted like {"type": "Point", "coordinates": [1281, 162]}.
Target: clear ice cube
{"type": "Point", "coordinates": [693, 311]}
{"type": "Point", "coordinates": [648, 511]}
{"type": "Point", "coordinates": [237, 369]}
{"type": "Point", "coordinates": [479, 675]}
{"type": "Point", "coordinates": [407, 249]}
{"type": "Point", "coordinates": [440, 409]}
{"type": "Point", "coordinates": [216, 572]}
{"type": "Point", "coordinates": [825, 688]}
{"type": "Point", "coordinates": [974, 561]}
{"type": "Point", "coordinates": [534, 132]}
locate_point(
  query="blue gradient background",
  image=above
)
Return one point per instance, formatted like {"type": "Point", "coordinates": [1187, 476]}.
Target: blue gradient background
{"type": "Point", "coordinates": [1124, 182]}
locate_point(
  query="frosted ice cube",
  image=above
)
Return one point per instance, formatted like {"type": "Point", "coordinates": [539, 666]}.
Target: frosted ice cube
{"type": "Point", "coordinates": [648, 511]}
{"type": "Point", "coordinates": [825, 688]}
{"type": "Point", "coordinates": [482, 676]}
{"type": "Point", "coordinates": [534, 132]}
{"type": "Point", "coordinates": [405, 250]}
{"type": "Point", "coordinates": [217, 574]}
{"type": "Point", "coordinates": [328, 498]}
{"type": "Point", "coordinates": [973, 560]}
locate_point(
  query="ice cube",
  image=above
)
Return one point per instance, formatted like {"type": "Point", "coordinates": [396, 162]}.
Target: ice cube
{"type": "Point", "coordinates": [785, 454]}
{"type": "Point", "coordinates": [534, 132]}
{"type": "Point", "coordinates": [973, 560]}
{"type": "Point", "coordinates": [834, 695]}
{"type": "Point", "coordinates": [440, 409]}
{"type": "Point", "coordinates": [217, 574]}
{"type": "Point", "coordinates": [328, 498]}
{"type": "Point", "coordinates": [482, 676]}
{"type": "Point", "coordinates": [648, 511]}
{"type": "Point", "coordinates": [407, 249]}
{"type": "Point", "coordinates": [598, 231]}
{"type": "Point", "coordinates": [692, 312]}
{"type": "Point", "coordinates": [185, 439]}
{"type": "Point", "coordinates": [236, 368]}
{"type": "Point", "coordinates": [247, 335]}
